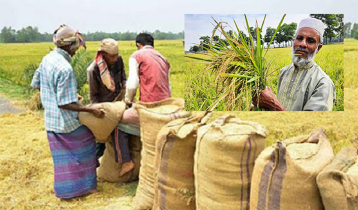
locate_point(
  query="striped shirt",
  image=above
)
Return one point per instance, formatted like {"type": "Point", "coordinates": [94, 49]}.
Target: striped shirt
{"type": "Point", "coordinates": [58, 87]}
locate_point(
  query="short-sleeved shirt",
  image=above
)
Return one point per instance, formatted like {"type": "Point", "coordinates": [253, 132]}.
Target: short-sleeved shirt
{"type": "Point", "coordinates": [153, 72]}
{"type": "Point", "coordinates": [305, 88]}
{"type": "Point", "coordinates": [58, 87]}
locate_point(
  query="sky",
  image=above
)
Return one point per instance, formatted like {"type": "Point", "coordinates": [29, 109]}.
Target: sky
{"type": "Point", "coordinates": [203, 24]}
{"type": "Point", "coordinates": [149, 15]}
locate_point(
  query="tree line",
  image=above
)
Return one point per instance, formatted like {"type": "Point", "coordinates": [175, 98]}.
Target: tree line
{"type": "Point", "coordinates": [351, 30]}
{"type": "Point", "coordinates": [32, 34]}
{"type": "Point", "coordinates": [335, 28]}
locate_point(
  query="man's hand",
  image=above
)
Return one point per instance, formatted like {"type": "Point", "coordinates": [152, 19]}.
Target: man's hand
{"type": "Point", "coordinates": [268, 100]}
{"type": "Point", "coordinates": [97, 112]}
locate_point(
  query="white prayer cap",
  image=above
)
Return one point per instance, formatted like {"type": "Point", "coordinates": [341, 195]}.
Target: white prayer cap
{"type": "Point", "coordinates": [109, 46]}
{"type": "Point", "coordinates": [313, 23]}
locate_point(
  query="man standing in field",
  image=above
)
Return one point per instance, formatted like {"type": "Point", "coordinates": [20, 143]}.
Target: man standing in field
{"type": "Point", "coordinates": [106, 79]}
{"type": "Point", "coordinates": [149, 69]}
{"type": "Point", "coordinates": [72, 145]}
{"type": "Point", "coordinates": [303, 85]}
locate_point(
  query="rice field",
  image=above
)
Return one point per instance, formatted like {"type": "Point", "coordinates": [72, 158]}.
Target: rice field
{"type": "Point", "coordinates": [14, 58]}
{"type": "Point", "coordinates": [26, 169]}
{"type": "Point", "coordinates": [350, 74]}
{"type": "Point", "coordinates": [201, 90]}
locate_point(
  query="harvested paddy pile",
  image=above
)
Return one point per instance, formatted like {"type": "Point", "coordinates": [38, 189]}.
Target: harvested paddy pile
{"type": "Point", "coordinates": [26, 171]}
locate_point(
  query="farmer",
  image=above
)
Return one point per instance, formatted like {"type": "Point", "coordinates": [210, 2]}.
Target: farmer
{"type": "Point", "coordinates": [106, 79]}
{"type": "Point", "coordinates": [303, 85]}
{"type": "Point", "coordinates": [72, 144]}
{"type": "Point", "coordinates": [149, 69]}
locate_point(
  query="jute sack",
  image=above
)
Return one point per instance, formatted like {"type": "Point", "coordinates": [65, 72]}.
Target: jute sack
{"type": "Point", "coordinates": [153, 116]}
{"type": "Point", "coordinates": [338, 182]}
{"type": "Point", "coordinates": [174, 163]}
{"type": "Point", "coordinates": [109, 169]}
{"type": "Point", "coordinates": [103, 127]}
{"type": "Point", "coordinates": [225, 155]}
{"type": "Point", "coordinates": [285, 174]}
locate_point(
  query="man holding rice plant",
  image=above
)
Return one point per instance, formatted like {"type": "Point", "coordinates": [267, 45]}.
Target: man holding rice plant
{"type": "Point", "coordinates": [303, 85]}
{"type": "Point", "coordinates": [107, 81]}
{"type": "Point", "coordinates": [72, 145]}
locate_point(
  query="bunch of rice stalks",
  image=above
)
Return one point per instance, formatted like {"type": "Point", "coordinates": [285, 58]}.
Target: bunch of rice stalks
{"type": "Point", "coordinates": [239, 65]}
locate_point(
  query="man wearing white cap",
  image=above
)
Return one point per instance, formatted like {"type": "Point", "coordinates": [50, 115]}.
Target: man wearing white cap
{"type": "Point", "coordinates": [106, 78]}
{"type": "Point", "coordinates": [303, 85]}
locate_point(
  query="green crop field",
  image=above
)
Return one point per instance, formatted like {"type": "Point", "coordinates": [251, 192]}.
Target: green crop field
{"type": "Point", "coordinates": [201, 90]}
{"type": "Point", "coordinates": [15, 58]}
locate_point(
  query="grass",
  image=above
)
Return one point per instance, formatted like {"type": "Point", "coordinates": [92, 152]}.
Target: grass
{"type": "Point", "coordinates": [200, 94]}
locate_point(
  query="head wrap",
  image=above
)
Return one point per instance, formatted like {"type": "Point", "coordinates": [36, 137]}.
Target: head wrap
{"type": "Point", "coordinates": [64, 35]}
{"type": "Point", "coordinates": [109, 46]}
{"type": "Point", "coordinates": [314, 24]}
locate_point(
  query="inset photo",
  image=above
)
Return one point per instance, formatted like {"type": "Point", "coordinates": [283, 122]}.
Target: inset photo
{"type": "Point", "coordinates": [264, 62]}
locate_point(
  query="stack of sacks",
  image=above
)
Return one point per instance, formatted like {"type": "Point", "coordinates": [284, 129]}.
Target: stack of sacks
{"type": "Point", "coordinates": [338, 182]}
{"type": "Point", "coordinates": [103, 127]}
{"type": "Point", "coordinates": [152, 117]}
{"type": "Point", "coordinates": [225, 154]}
{"type": "Point", "coordinates": [285, 174]}
{"type": "Point", "coordinates": [174, 162]}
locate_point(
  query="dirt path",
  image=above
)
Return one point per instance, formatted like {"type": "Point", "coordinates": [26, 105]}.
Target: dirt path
{"type": "Point", "coordinates": [6, 107]}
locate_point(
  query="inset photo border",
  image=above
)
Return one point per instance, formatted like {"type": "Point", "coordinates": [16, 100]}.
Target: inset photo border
{"type": "Point", "coordinates": [261, 62]}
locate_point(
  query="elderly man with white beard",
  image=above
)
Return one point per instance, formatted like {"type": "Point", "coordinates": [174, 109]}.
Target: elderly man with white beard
{"type": "Point", "coordinates": [303, 85]}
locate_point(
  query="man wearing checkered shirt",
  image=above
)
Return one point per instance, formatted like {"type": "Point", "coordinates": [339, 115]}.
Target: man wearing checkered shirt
{"type": "Point", "coordinates": [72, 145]}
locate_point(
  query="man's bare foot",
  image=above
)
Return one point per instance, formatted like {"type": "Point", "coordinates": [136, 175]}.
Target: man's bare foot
{"type": "Point", "coordinates": [126, 167]}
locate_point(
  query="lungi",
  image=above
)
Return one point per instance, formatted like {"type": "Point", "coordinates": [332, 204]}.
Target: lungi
{"type": "Point", "coordinates": [120, 137]}
{"type": "Point", "coordinates": [75, 162]}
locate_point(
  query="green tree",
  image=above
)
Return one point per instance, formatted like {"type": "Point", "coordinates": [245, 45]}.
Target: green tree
{"type": "Point", "coordinates": [28, 34]}
{"type": "Point", "coordinates": [340, 28]}
{"type": "Point", "coordinates": [205, 41]}
{"type": "Point", "coordinates": [331, 22]}
{"type": "Point", "coordinates": [269, 34]}
{"type": "Point", "coordinates": [347, 30]}
{"type": "Point", "coordinates": [7, 35]}
{"type": "Point", "coordinates": [194, 49]}
{"type": "Point", "coordinates": [286, 33]}
{"type": "Point", "coordinates": [354, 32]}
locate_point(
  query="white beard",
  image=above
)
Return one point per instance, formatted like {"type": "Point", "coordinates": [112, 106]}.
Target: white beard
{"type": "Point", "coordinates": [303, 61]}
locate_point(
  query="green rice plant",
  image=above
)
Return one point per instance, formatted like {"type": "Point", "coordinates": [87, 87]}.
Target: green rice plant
{"type": "Point", "coordinates": [240, 66]}
{"type": "Point", "coordinates": [80, 61]}
{"type": "Point", "coordinates": [27, 76]}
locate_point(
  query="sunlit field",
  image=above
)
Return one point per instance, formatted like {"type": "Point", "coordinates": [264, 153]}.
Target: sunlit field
{"type": "Point", "coordinates": [14, 58]}
{"type": "Point", "coordinates": [201, 88]}
{"type": "Point", "coordinates": [350, 74]}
